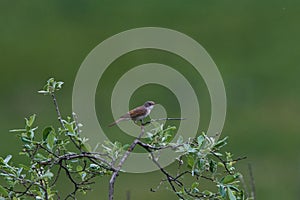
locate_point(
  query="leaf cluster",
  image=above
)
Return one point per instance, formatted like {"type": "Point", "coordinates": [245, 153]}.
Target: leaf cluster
{"type": "Point", "coordinates": [201, 161]}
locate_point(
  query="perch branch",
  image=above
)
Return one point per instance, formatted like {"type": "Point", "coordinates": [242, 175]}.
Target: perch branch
{"type": "Point", "coordinates": [161, 119]}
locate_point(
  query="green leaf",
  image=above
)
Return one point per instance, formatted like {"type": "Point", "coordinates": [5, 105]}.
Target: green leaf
{"type": "Point", "coordinates": [7, 159]}
{"type": "Point", "coordinates": [50, 81]}
{"type": "Point", "coordinates": [47, 131]}
{"type": "Point", "coordinates": [212, 166]}
{"type": "Point", "coordinates": [51, 140]}
{"type": "Point", "coordinates": [39, 157]}
{"type": "Point", "coordinates": [30, 134]}
{"type": "Point", "coordinates": [24, 167]}
{"type": "Point", "coordinates": [59, 85]}
{"type": "Point", "coordinates": [195, 185]}
{"type": "Point", "coordinates": [69, 127]}
{"type": "Point", "coordinates": [83, 175]}
{"type": "Point", "coordinates": [207, 192]}
{"type": "Point", "coordinates": [86, 147]}
{"type": "Point", "coordinates": [43, 92]}
{"type": "Point", "coordinates": [79, 168]}
{"type": "Point", "coordinates": [94, 167]}
{"type": "Point", "coordinates": [3, 191]}
{"type": "Point", "coordinates": [191, 149]}
{"type": "Point", "coordinates": [221, 143]}
{"type": "Point", "coordinates": [179, 140]}
{"type": "Point", "coordinates": [230, 194]}
{"type": "Point", "coordinates": [200, 140]}
{"type": "Point", "coordinates": [228, 179]}
{"type": "Point", "coordinates": [25, 139]}
{"type": "Point", "coordinates": [222, 191]}
{"type": "Point", "coordinates": [29, 122]}
{"type": "Point", "coordinates": [19, 171]}
{"type": "Point", "coordinates": [48, 174]}
{"type": "Point", "coordinates": [201, 163]}
{"type": "Point", "coordinates": [218, 154]}
{"type": "Point", "coordinates": [126, 147]}
{"type": "Point", "coordinates": [190, 161]}
{"type": "Point", "coordinates": [17, 130]}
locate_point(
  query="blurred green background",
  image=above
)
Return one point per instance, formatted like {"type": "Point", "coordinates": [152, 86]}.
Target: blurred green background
{"type": "Point", "coordinates": [254, 43]}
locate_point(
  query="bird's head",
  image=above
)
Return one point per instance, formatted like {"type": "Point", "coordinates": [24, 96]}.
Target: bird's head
{"type": "Point", "coordinates": [149, 104]}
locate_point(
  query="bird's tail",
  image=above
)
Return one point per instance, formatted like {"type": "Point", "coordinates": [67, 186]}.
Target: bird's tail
{"type": "Point", "coordinates": [115, 122]}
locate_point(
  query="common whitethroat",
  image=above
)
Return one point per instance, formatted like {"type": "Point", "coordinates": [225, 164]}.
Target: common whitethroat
{"type": "Point", "coordinates": [136, 114]}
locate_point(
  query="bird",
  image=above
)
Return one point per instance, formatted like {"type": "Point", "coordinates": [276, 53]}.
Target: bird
{"type": "Point", "coordinates": [136, 114]}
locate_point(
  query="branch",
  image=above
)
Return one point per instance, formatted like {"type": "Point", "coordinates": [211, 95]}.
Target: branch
{"type": "Point", "coordinates": [71, 156]}
{"type": "Point", "coordinates": [151, 147]}
{"type": "Point", "coordinates": [170, 178]}
{"type": "Point", "coordinates": [123, 159]}
{"type": "Point", "coordinates": [161, 119]}
{"type": "Point", "coordinates": [57, 109]}
{"type": "Point", "coordinates": [222, 161]}
{"type": "Point", "coordinates": [61, 120]}
{"type": "Point", "coordinates": [165, 119]}
{"type": "Point", "coordinates": [253, 192]}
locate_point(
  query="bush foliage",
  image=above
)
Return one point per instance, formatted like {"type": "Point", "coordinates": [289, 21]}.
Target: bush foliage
{"type": "Point", "coordinates": [52, 151]}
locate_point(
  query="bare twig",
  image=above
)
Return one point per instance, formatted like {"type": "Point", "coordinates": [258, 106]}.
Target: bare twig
{"type": "Point", "coordinates": [61, 120]}
{"type": "Point", "coordinates": [161, 119]}
{"type": "Point", "coordinates": [151, 147]}
{"type": "Point", "coordinates": [57, 109]}
{"type": "Point", "coordinates": [158, 186]}
{"type": "Point", "coordinates": [123, 159]}
{"type": "Point", "coordinates": [242, 180]}
{"type": "Point", "coordinates": [128, 195]}
{"type": "Point", "coordinates": [168, 118]}
{"type": "Point", "coordinates": [253, 192]}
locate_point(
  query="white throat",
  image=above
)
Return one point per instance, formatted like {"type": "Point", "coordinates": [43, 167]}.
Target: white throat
{"type": "Point", "coordinates": [150, 107]}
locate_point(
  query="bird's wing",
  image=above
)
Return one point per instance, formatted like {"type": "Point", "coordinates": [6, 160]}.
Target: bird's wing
{"type": "Point", "coordinates": [133, 114]}
{"type": "Point", "coordinates": [137, 112]}
{"type": "Point", "coordinates": [126, 116]}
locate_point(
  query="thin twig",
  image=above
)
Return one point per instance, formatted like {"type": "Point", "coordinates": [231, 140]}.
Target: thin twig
{"type": "Point", "coordinates": [253, 191]}
{"type": "Point", "coordinates": [161, 119]}
{"type": "Point", "coordinates": [158, 186]}
{"type": "Point", "coordinates": [61, 120]}
{"type": "Point", "coordinates": [128, 195]}
{"type": "Point", "coordinates": [72, 156]}
{"type": "Point", "coordinates": [151, 147]}
{"type": "Point", "coordinates": [242, 180]}
{"type": "Point", "coordinates": [57, 110]}
{"type": "Point", "coordinates": [168, 118]}
{"type": "Point", "coordinates": [238, 159]}
{"type": "Point", "coordinates": [222, 161]}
